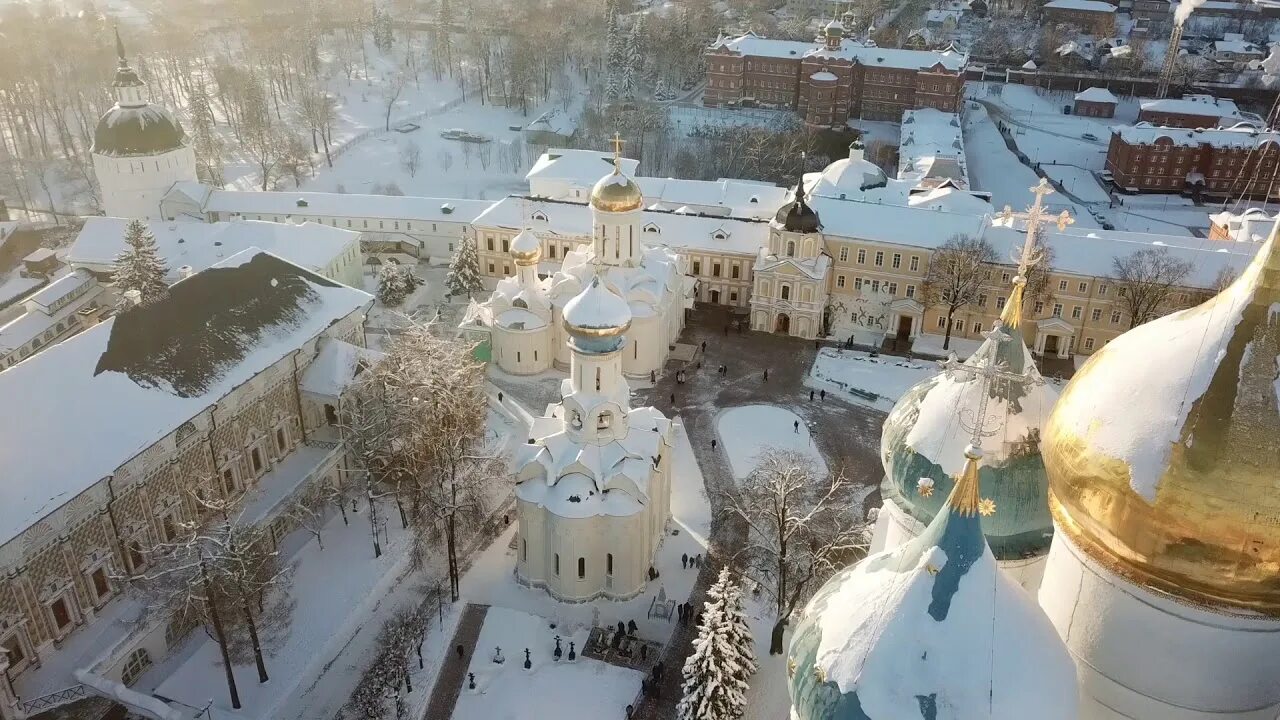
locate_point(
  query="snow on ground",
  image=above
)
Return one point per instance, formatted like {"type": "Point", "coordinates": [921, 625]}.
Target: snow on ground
{"type": "Point", "coordinates": [994, 168]}
{"type": "Point", "coordinates": [491, 579]}
{"type": "Point", "coordinates": [341, 595]}
{"type": "Point", "coordinates": [687, 117]}
{"type": "Point", "coordinates": [582, 688]}
{"type": "Point", "coordinates": [930, 344]}
{"type": "Point", "coordinates": [1077, 181]}
{"type": "Point", "coordinates": [748, 430]}
{"type": "Point", "coordinates": [888, 376]}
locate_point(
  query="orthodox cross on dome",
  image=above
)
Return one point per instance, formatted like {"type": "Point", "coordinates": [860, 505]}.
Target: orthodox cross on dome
{"type": "Point", "coordinates": [119, 45]}
{"type": "Point", "coordinates": [1036, 215]}
{"type": "Point", "coordinates": [618, 142]}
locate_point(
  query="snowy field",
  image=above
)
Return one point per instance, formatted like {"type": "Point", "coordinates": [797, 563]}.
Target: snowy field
{"type": "Point", "coordinates": [748, 430]}
{"type": "Point", "coordinates": [582, 688]}
{"type": "Point", "coordinates": [995, 169]}
{"type": "Point", "coordinates": [687, 117]}
{"type": "Point", "coordinates": [1077, 181]}
{"type": "Point", "coordinates": [889, 376]}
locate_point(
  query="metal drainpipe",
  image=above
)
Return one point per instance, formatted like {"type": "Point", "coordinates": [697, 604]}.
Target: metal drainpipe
{"type": "Point", "coordinates": [297, 397]}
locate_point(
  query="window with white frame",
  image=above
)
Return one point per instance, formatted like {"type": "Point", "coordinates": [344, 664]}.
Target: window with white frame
{"type": "Point", "coordinates": [862, 256]}
{"type": "Point", "coordinates": [1057, 310]}
{"type": "Point", "coordinates": [1062, 285]}
{"type": "Point", "coordinates": [1076, 312]}
{"type": "Point", "coordinates": [1039, 308]}
{"type": "Point", "coordinates": [892, 288]}
{"type": "Point", "coordinates": [1115, 317]}
{"type": "Point", "coordinates": [844, 254]}
{"type": "Point", "coordinates": [839, 281]}
{"type": "Point", "coordinates": [1083, 288]}
{"type": "Point", "coordinates": [897, 260]}
{"type": "Point", "coordinates": [911, 291]}
{"type": "Point", "coordinates": [915, 263]}
{"type": "Point", "coordinates": [879, 262]}
{"type": "Point", "coordinates": [1088, 343]}
{"type": "Point", "coordinates": [1096, 315]}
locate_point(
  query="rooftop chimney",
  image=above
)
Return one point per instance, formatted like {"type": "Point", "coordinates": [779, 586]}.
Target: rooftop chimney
{"type": "Point", "coordinates": [185, 272]}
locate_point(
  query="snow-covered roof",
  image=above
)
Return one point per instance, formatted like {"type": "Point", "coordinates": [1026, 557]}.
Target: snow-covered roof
{"type": "Point", "coordinates": [823, 76]}
{"type": "Point", "coordinates": [737, 198]}
{"type": "Point", "coordinates": [932, 628]}
{"type": "Point", "coordinates": [336, 364]}
{"type": "Point", "coordinates": [40, 254]}
{"type": "Point", "coordinates": [597, 308]}
{"type": "Point", "coordinates": [1236, 47]}
{"type": "Point", "coordinates": [683, 231]}
{"type": "Point", "coordinates": [950, 199]}
{"type": "Point", "coordinates": [1097, 94]}
{"type": "Point", "coordinates": [125, 384]}
{"type": "Point", "coordinates": [1206, 105]}
{"type": "Point", "coordinates": [201, 245]}
{"type": "Point", "coordinates": [585, 166]}
{"type": "Point", "coordinates": [1253, 225]}
{"type": "Point", "coordinates": [195, 191]}
{"type": "Point", "coordinates": [345, 205]}
{"type": "Point", "coordinates": [60, 288]}
{"type": "Point", "coordinates": [554, 121]}
{"type": "Point", "coordinates": [1085, 5]}
{"type": "Point", "coordinates": [1234, 137]}
{"type": "Point", "coordinates": [850, 50]}
{"type": "Point", "coordinates": [927, 137]}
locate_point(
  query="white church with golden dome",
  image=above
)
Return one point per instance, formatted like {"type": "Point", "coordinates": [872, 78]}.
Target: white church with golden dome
{"type": "Point", "coordinates": [594, 481]}
{"type": "Point", "coordinates": [524, 315]}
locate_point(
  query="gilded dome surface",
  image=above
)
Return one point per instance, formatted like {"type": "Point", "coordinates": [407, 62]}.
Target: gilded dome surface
{"type": "Point", "coordinates": [616, 192]}
{"type": "Point", "coordinates": [1163, 453]}
{"type": "Point", "coordinates": [926, 430]}
{"type": "Point", "coordinates": [526, 249]}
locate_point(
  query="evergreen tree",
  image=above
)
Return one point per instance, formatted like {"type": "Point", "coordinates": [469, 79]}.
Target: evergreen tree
{"type": "Point", "coordinates": [464, 270]}
{"type": "Point", "coordinates": [206, 143]}
{"type": "Point", "coordinates": [738, 630]}
{"type": "Point", "coordinates": [139, 267]}
{"type": "Point", "coordinates": [395, 283]}
{"type": "Point", "coordinates": [715, 675]}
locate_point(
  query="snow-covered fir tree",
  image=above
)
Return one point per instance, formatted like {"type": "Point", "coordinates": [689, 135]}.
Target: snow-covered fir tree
{"type": "Point", "coordinates": [715, 675]}
{"type": "Point", "coordinates": [139, 266]}
{"type": "Point", "coordinates": [464, 270]}
{"type": "Point", "coordinates": [395, 283]}
{"type": "Point", "coordinates": [729, 593]}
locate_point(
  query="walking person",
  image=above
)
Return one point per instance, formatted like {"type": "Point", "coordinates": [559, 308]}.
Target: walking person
{"type": "Point", "coordinates": [796, 426]}
{"type": "Point", "coordinates": [713, 443]}
{"type": "Point", "coordinates": [673, 398]}
{"type": "Point", "coordinates": [684, 560]}
{"type": "Point", "coordinates": [499, 398]}
{"type": "Point", "coordinates": [460, 652]}
{"type": "Point", "coordinates": [766, 374]}
{"type": "Point", "coordinates": [822, 395]}
{"type": "Point", "coordinates": [810, 396]}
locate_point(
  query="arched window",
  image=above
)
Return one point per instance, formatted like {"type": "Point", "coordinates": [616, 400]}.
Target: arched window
{"type": "Point", "coordinates": [520, 303]}
{"type": "Point", "coordinates": [138, 662]}
{"type": "Point", "coordinates": [786, 292]}
{"type": "Point", "coordinates": [557, 564]}
{"type": "Point", "coordinates": [582, 568]}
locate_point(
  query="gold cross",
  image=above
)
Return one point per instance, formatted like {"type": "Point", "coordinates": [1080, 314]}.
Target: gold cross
{"type": "Point", "coordinates": [1035, 216]}
{"type": "Point", "coordinates": [617, 149]}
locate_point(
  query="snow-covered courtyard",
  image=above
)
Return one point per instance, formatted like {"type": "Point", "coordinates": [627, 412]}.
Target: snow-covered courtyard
{"type": "Point", "coordinates": [748, 430]}
{"type": "Point", "coordinates": [887, 376]}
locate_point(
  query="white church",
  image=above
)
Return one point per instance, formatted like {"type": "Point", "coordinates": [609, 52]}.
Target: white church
{"type": "Point", "coordinates": [594, 481]}
{"type": "Point", "coordinates": [523, 317]}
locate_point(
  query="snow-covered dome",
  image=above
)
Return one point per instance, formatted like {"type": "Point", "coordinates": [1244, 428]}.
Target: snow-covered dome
{"type": "Point", "coordinates": [849, 178]}
{"type": "Point", "coordinates": [597, 314]}
{"type": "Point", "coordinates": [1163, 452]}
{"type": "Point", "coordinates": [928, 428]}
{"type": "Point", "coordinates": [146, 130]}
{"type": "Point", "coordinates": [616, 192]}
{"type": "Point", "coordinates": [526, 249]}
{"type": "Point", "coordinates": [930, 629]}
{"type": "Point", "coordinates": [797, 215]}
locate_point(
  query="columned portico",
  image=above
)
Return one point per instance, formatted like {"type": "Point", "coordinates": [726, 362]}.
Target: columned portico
{"type": "Point", "coordinates": [905, 320]}
{"type": "Point", "coordinates": [1054, 337]}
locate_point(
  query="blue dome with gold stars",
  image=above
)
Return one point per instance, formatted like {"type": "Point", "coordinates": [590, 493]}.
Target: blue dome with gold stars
{"type": "Point", "coordinates": [931, 630]}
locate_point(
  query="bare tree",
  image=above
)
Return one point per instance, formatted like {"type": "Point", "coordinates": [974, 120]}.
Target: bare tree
{"type": "Point", "coordinates": [411, 158]}
{"type": "Point", "coordinates": [385, 683]}
{"type": "Point", "coordinates": [391, 95]}
{"type": "Point", "coordinates": [800, 529]}
{"type": "Point", "coordinates": [955, 275]}
{"type": "Point", "coordinates": [319, 111]}
{"type": "Point", "coordinates": [1147, 279]}
{"type": "Point", "coordinates": [445, 159]}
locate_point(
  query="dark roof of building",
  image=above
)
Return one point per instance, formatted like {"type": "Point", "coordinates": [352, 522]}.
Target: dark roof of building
{"type": "Point", "coordinates": [146, 130]}
{"type": "Point", "coordinates": [210, 322]}
{"type": "Point", "coordinates": [797, 216]}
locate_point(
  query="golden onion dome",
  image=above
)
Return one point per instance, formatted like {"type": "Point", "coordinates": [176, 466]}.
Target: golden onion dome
{"type": "Point", "coordinates": [526, 249]}
{"type": "Point", "coordinates": [616, 192]}
{"type": "Point", "coordinates": [1163, 453]}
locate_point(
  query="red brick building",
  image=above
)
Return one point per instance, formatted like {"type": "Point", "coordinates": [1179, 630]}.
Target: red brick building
{"type": "Point", "coordinates": [1213, 162]}
{"type": "Point", "coordinates": [1093, 15]}
{"type": "Point", "coordinates": [1190, 111]}
{"type": "Point", "coordinates": [832, 81]}
{"type": "Point", "coordinates": [1095, 102]}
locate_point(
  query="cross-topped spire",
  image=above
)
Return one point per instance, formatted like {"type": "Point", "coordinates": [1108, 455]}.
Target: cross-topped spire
{"type": "Point", "coordinates": [119, 46]}
{"type": "Point", "coordinates": [1035, 216]}
{"type": "Point", "coordinates": [617, 151]}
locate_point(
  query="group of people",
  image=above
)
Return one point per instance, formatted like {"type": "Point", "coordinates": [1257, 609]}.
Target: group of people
{"type": "Point", "coordinates": [691, 562]}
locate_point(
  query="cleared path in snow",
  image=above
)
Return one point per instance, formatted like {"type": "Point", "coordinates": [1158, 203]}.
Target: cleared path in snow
{"type": "Point", "coordinates": [454, 669]}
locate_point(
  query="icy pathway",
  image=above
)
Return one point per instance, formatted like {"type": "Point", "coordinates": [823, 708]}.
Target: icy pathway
{"type": "Point", "coordinates": [449, 680]}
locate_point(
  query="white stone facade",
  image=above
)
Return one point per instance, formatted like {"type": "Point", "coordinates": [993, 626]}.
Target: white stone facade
{"type": "Point", "coordinates": [132, 187]}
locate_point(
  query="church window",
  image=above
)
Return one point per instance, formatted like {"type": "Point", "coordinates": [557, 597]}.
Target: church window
{"type": "Point", "coordinates": [862, 256]}
{"type": "Point", "coordinates": [282, 444]}
{"type": "Point", "coordinates": [582, 568]}
{"type": "Point", "coordinates": [101, 585]}
{"type": "Point", "coordinates": [506, 245]}
{"type": "Point", "coordinates": [488, 243]}
{"type": "Point", "coordinates": [61, 613]}
{"type": "Point", "coordinates": [786, 292]}
{"type": "Point", "coordinates": [608, 563]}
{"type": "Point", "coordinates": [524, 550]}
{"type": "Point", "coordinates": [517, 356]}
{"type": "Point", "coordinates": [365, 223]}
{"type": "Point", "coordinates": [879, 258]}
{"type": "Point", "coordinates": [506, 269]}
{"type": "Point", "coordinates": [348, 222]}
{"type": "Point", "coordinates": [604, 421]}
{"type": "Point", "coordinates": [733, 296]}
{"type": "Point", "coordinates": [490, 268]}
{"type": "Point", "coordinates": [715, 270]}
{"type": "Point", "coordinates": [844, 254]}
{"type": "Point", "coordinates": [557, 565]}
{"type": "Point", "coordinates": [575, 419]}
{"type": "Point", "coordinates": [408, 225]}
{"type": "Point", "coordinates": [875, 286]}
{"type": "Point", "coordinates": [791, 248]}
{"type": "Point", "coordinates": [255, 457]}
{"type": "Point", "coordinates": [977, 327]}
{"type": "Point", "coordinates": [551, 251]}
{"type": "Point", "coordinates": [185, 431]}
{"type": "Point", "coordinates": [597, 379]}
{"type": "Point", "coordinates": [379, 224]}
{"type": "Point", "coordinates": [139, 661]}
{"type": "Point", "coordinates": [535, 356]}
{"type": "Point", "coordinates": [697, 267]}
